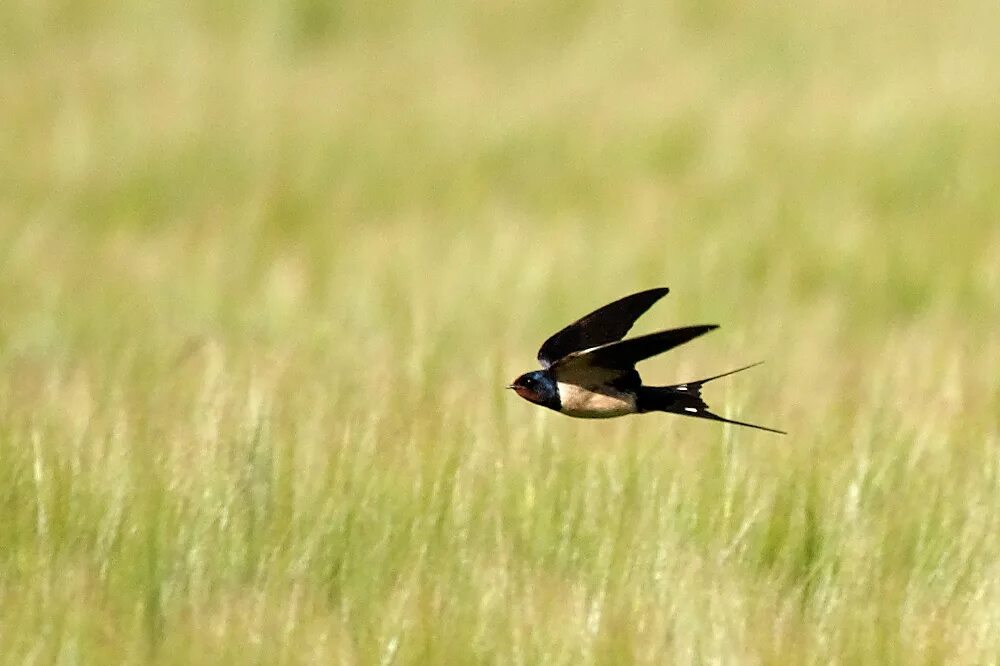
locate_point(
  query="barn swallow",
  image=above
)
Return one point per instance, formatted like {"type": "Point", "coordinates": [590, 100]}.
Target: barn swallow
{"type": "Point", "coordinates": [588, 370]}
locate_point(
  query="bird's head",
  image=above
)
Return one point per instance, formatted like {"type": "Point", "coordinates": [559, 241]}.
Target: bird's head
{"type": "Point", "coordinates": [538, 387]}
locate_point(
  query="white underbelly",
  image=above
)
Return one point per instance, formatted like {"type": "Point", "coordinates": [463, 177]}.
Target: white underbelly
{"type": "Point", "coordinates": [585, 403]}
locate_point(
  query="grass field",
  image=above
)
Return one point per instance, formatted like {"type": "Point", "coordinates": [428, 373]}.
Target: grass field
{"type": "Point", "coordinates": [265, 269]}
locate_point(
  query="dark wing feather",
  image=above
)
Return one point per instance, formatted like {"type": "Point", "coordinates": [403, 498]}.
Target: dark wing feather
{"type": "Point", "coordinates": [604, 325]}
{"type": "Point", "coordinates": [606, 363]}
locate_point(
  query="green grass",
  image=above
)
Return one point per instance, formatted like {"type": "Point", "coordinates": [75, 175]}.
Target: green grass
{"type": "Point", "coordinates": [265, 270]}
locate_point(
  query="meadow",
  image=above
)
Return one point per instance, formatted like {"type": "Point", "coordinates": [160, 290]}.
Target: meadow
{"type": "Point", "coordinates": [265, 269]}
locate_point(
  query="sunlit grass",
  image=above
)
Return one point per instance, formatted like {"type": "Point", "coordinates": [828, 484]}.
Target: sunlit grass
{"type": "Point", "coordinates": [265, 271]}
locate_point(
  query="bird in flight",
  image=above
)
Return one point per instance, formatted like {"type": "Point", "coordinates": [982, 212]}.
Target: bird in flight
{"type": "Point", "coordinates": [588, 370]}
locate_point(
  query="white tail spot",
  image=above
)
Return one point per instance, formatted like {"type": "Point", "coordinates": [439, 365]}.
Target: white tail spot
{"type": "Point", "coordinates": [691, 409]}
{"type": "Point", "coordinates": [682, 388]}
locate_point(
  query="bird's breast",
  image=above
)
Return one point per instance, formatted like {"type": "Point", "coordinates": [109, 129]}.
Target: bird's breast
{"type": "Point", "coordinates": [601, 402]}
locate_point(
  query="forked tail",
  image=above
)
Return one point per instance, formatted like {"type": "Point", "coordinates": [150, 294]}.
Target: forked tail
{"type": "Point", "coordinates": [685, 399]}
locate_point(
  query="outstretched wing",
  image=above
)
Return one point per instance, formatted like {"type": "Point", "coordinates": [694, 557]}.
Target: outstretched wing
{"type": "Point", "coordinates": [604, 325]}
{"type": "Point", "coordinates": [609, 362]}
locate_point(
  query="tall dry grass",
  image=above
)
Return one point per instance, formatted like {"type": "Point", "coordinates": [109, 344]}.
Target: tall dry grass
{"type": "Point", "coordinates": [264, 271]}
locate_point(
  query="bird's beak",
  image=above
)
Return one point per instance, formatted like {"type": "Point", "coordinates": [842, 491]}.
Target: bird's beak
{"type": "Point", "coordinates": [510, 386]}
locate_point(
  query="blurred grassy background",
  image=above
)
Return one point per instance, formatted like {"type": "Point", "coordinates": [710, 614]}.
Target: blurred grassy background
{"type": "Point", "coordinates": [264, 269]}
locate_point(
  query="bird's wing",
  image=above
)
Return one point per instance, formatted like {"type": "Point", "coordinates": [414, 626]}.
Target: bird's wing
{"type": "Point", "coordinates": [606, 363]}
{"type": "Point", "coordinates": [603, 325]}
